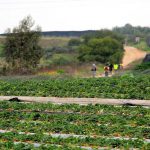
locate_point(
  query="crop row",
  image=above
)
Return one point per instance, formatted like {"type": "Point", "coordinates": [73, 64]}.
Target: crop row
{"type": "Point", "coordinates": [90, 126]}
{"type": "Point", "coordinates": [130, 122]}
{"type": "Point", "coordinates": [75, 108]}
{"type": "Point", "coordinates": [88, 141]}
{"type": "Point", "coordinates": [81, 128]}
{"type": "Point", "coordinates": [77, 118]}
{"type": "Point", "coordinates": [116, 87]}
{"type": "Point", "coordinates": [7, 145]}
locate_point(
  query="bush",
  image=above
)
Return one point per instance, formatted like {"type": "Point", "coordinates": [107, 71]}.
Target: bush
{"type": "Point", "coordinates": [74, 42]}
{"type": "Point", "coordinates": [143, 66]}
{"type": "Point", "coordinates": [101, 50]}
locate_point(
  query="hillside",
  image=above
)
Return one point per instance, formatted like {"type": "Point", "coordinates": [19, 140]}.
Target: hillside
{"type": "Point", "coordinates": [64, 33]}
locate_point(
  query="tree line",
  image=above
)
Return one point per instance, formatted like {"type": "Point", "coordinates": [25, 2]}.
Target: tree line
{"type": "Point", "coordinates": [130, 33]}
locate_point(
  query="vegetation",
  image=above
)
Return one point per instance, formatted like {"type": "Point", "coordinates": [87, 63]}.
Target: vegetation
{"type": "Point", "coordinates": [142, 45]}
{"type": "Point", "coordinates": [131, 87]}
{"type": "Point", "coordinates": [74, 42]}
{"type": "Point", "coordinates": [73, 126]}
{"type": "Point", "coordinates": [50, 42]}
{"type": "Point", "coordinates": [131, 33]}
{"type": "Point", "coordinates": [1, 50]}
{"type": "Point", "coordinates": [103, 46]}
{"type": "Point", "coordinates": [67, 33]}
{"type": "Point", "coordinates": [69, 52]}
{"type": "Point", "coordinates": [21, 49]}
{"type": "Point", "coordinates": [143, 66]}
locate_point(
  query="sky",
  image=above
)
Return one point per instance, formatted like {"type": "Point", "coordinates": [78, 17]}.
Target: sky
{"type": "Point", "coordinates": [65, 15]}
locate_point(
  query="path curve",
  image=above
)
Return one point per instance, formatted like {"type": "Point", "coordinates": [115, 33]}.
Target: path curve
{"type": "Point", "coordinates": [132, 54]}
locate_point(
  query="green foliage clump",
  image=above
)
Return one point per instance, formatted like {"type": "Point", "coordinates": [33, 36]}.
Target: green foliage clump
{"type": "Point", "coordinates": [21, 49]}
{"type": "Point", "coordinates": [74, 42]}
{"type": "Point", "coordinates": [103, 46]}
{"type": "Point", "coordinates": [143, 66]}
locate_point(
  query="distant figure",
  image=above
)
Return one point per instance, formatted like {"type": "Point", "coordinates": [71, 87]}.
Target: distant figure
{"type": "Point", "coordinates": [93, 70]}
{"type": "Point", "coordinates": [106, 70]}
{"type": "Point", "coordinates": [110, 68]}
{"type": "Point", "coordinates": [121, 66]}
{"type": "Point", "coordinates": [116, 67]}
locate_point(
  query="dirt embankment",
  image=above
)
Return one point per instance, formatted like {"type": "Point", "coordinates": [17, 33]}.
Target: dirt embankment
{"type": "Point", "coordinates": [132, 54]}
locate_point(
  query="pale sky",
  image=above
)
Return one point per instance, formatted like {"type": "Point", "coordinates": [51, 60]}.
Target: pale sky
{"type": "Point", "coordinates": [63, 15]}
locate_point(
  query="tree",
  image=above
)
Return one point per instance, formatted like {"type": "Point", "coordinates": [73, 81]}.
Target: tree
{"type": "Point", "coordinates": [103, 34]}
{"type": "Point", "coordinates": [21, 49]}
{"type": "Point", "coordinates": [103, 46]}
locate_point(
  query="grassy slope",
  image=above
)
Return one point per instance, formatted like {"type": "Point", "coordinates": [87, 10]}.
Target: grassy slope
{"type": "Point", "coordinates": [46, 42]}
{"type": "Point", "coordinates": [143, 46]}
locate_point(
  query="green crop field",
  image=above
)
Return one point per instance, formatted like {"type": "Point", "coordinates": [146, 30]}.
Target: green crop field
{"type": "Point", "coordinates": [136, 87]}
{"type": "Point", "coordinates": [73, 127]}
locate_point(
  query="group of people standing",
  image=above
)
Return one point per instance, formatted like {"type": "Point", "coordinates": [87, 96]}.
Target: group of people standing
{"type": "Point", "coordinates": [108, 69]}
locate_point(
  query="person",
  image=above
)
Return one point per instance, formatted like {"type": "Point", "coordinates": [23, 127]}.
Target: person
{"type": "Point", "coordinates": [93, 70]}
{"type": "Point", "coordinates": [106, 70]}
{"type": "Point", "coordinates": [110, 68]}
{"type": "Point", "coordinates": [115, 67]}
{"type": "Point", "coordinates": [121, 66]}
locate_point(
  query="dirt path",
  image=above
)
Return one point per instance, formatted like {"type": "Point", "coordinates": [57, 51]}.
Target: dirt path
{"type": "Point", "coordinates": [132, 54]}
{"type": "Point", "coordinates": [81, 101]}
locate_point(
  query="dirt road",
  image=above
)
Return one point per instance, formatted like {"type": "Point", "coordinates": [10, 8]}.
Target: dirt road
{"type": "Point", "coordinates": [132, 54]}
{"type": "Point", "coordinates": [81, 101]}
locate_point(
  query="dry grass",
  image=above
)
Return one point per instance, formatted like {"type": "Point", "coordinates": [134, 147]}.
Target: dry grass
{"type": "Point", "coordinates": [2, 40]}
{"type": "Point", "coordinates": [74, 70]}
{"type": "Point", "coordinates": [46, 42]}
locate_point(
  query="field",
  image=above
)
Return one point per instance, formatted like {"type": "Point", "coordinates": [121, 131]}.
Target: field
{"type": "Point", "coordinates": [72, 126]}
{"type": "Point", "coordinates": [49, 126]}
{"type": "Point", "coordinates": [125, 87]}
{"type": "Point", "coordinates": [46, 42]}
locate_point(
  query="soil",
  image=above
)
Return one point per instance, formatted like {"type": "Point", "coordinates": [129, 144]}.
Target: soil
{"type": "Point", "coordinates": [132, 54]}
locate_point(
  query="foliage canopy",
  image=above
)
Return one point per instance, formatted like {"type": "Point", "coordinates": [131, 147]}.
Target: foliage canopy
{"type": "Point", "coordinates": [22, 51]}
{"type": "Point", "coordinates": [103, 46]}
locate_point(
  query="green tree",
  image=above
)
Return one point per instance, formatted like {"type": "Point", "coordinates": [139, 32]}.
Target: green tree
{"type": "Point", "coordinates": [21, 49]}
{"type": "Point", "coordinates": [101, 50]}
{"type": "Point", "coordinates": [103, 34]}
